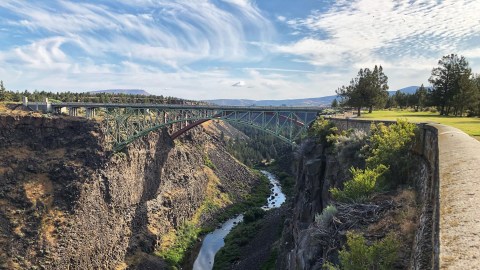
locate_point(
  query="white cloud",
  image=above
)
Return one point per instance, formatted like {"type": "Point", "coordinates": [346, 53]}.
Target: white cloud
{"type": "Point", "coordinates": [180, 32]}
{"type": "Point", "coordinates": [239, 84]}
{"type": "Point", "coordinates": [161, 46]}
{"type": "Point", "coordinates": [406, 37]}
{"type": "Point", "coordinates": [364, 29]}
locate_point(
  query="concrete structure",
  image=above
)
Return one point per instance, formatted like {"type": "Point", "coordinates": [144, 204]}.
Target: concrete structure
{"type": "Point", "coordinates": [459, 224]}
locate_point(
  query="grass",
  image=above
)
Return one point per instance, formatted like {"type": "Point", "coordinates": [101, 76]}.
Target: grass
{"type": "Point", "coordinates": [469, 125]}
{"type": "Point", "coordinates": [185, 236]}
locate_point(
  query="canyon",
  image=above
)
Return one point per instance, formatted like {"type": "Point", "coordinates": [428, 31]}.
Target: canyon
{"type": "Point", "coordinates": [69, 202]}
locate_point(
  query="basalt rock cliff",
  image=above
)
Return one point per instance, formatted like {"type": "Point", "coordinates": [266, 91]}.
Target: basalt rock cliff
{"type": "Point", "coordinates": [67, 202]}
{"type": "Point", "coordinates": [304, 244]}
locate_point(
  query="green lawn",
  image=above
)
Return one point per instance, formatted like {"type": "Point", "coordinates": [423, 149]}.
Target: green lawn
{"type": "Point", "coordinates": [470, 125]}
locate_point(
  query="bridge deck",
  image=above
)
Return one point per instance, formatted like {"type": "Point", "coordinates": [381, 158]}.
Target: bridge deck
{"type": "Point", "coordinates": [177, 106]}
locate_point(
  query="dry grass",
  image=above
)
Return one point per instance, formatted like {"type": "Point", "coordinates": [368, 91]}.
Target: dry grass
{"type": "Point", "coordinates": [121, 266]}
{"type": "Point", "coordinates": [403, 219]}
{"type": "Point", "coordinates": [167, 240]}
{"type": "Point", "coordinates": [20, 153]}
{"type": "Point", "coordinates": [49, 221]}
{"type": "Point", "coordinates": [39, 188]}
{"type": "Point", "coordinates": [56, 153]}
{"type": "Point", "coordinates": [3, 109]}
{"type": "Point", "coordinates": [213, 196]}
{"type": "Point", "coordinates": [4, 170]}
{"type": "Point", "coordinates": [18, 230]}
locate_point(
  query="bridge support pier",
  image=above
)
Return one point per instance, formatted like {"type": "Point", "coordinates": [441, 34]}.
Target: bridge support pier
{"type": "Point", "coordinates": [90, 112]}
{"type": "Point", "coordinates": [73, 111]}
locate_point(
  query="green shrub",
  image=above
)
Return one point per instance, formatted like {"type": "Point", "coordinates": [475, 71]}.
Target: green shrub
{"type": "Point", "coordinates": [390, 146]}
{"type": "Point", "coordinates": [253, 214]}
{"type": "Point", "coordinates": [359, 256]}
{"type": "Point", "coordinates": [272, 259]}
{"type": "Point", "coordinates": [256, 198]}
{"type": "Point", "coordinates": [326, 216]}
{"type": "Point", "coordinates": [349, 148]}
{"type": "Point", "coordinates": [238, 237]}
{"type": "Point", "coordinates": [361, 186]}
{"type": "Point", "coordinates": [186, 235]}
{"type": "Point", "coordinates": [323, 131]}
{"type": "Point", "coordinates": [208, 162]}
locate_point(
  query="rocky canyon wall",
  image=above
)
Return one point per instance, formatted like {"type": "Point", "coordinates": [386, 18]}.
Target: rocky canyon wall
{"type": "Point", "coordinates": [68, 203]}
{"type": "Point", "coordinates": [318, 171]}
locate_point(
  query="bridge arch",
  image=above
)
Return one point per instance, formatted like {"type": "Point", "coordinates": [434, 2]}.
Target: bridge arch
{"type": "Point", "coordinates": [179, 132]}
{"type": "Point", "coordinates": [124, 123]}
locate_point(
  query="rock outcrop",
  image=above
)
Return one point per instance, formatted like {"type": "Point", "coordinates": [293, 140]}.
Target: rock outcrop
{"type": "Point", "coordinates": [318, 170]}
{"type": "Point", "coordinates": [67, 202]}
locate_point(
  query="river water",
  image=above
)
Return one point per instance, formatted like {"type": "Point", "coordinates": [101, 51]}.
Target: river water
{"type": "Point", "coordinates": [214, 241]}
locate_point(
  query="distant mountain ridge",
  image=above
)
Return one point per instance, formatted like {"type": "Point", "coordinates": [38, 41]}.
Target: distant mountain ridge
{"type": "Point", "coordinates": [406, 90]}
{"type": "Point", "coordinates": [307, 102]}
{"type": "Point", "coordinates": [123, 91]}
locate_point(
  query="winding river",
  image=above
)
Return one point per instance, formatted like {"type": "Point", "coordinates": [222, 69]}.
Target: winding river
{"type": "Point", "coordinates": [214, 241]}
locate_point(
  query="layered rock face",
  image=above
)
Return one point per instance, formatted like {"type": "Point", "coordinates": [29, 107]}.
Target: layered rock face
{"type": "Point", "coordinates": [68, 203]}
{"type": "Point", "coordinates": [318, 171]}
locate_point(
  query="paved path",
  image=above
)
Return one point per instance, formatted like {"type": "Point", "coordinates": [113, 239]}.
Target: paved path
{"type": "Point", "coordinates": [459, 162]}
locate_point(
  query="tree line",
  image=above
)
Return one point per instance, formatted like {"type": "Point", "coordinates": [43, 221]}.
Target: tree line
{"type": "Point", "coordinates": [39, 96]}
{"type": "Point", "coordinates": [454, 90]}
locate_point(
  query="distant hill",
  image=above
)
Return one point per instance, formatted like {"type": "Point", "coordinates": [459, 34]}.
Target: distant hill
{"type": "Point", "coordinates": [123, 91]}
{"type": "Point", "coordinates": [406, 90]}
{"type": "Point", "coordinates": [318, 101]}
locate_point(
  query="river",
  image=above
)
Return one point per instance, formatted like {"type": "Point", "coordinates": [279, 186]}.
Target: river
{"type": "Point", "coordinates": [214, 241]}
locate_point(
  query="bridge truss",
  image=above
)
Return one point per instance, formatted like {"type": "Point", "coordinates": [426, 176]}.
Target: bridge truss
{"type": "Point", "coordinates": [123, 125]}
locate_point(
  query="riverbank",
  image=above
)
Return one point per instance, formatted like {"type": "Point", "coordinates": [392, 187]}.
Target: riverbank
{"type": "Point", "coordinates": [249, 244]}
{"type": "Point", "coordinates": [260, 249]}
{"type": "Point", "coordinates": [257, 198]}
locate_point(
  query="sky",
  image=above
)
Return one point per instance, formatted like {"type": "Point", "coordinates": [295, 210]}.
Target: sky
{"type": "Point", "coordinates": [212, 49]}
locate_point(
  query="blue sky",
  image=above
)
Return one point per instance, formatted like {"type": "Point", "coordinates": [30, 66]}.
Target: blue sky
{"type": "Point", "coordinates": [200, 49]}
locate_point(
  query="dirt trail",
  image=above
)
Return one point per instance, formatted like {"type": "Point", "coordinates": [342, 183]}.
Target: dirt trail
{"type": "Point", "coordinates": [459, 161]}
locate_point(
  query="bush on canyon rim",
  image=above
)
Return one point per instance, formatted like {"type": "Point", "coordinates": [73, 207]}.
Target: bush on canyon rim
{"type": "Point", "coordinates": [361, 186]}
{"type": "Point", "coordinates": [379, 255]}
{"type": "Point", "coordinates": [390, 146]}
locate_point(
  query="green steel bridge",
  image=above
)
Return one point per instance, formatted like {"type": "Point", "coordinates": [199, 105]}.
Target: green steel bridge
{"type": "Point", "coordinates": [124, 123]}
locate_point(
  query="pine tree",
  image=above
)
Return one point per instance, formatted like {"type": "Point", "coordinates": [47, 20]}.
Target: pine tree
{"type": "Point", "coordinates": [368, 89]}
{"type": "Point", "coordinates": [446, 80]}
{"type": "Point", "coordinates": [3, 93]}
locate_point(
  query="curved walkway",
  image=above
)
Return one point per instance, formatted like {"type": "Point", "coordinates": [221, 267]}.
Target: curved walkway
{"type": "Point", "coordinates": [459, 161]}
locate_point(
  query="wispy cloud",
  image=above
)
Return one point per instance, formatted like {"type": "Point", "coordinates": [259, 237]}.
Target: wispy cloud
{"type": "Point", "coordinates": [200, 49]}
{"type": "Point", "coordinates": [171, 32]}
{"type": "Point", "coordinates": [129, 40]}
{"type": "Point", "coordinates": [356, 31]}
